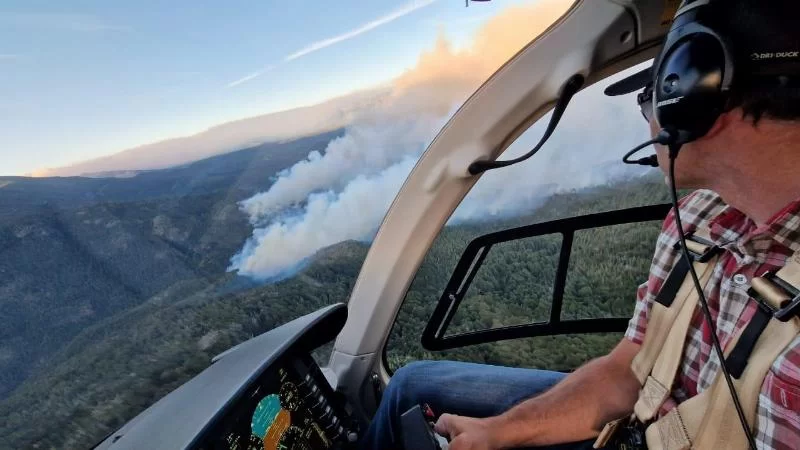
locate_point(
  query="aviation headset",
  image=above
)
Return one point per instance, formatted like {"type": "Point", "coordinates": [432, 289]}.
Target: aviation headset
{"type": "Point", "coordinates": [695, 72]}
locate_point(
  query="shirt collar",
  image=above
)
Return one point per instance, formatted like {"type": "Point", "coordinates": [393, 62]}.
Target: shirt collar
{"type": "Point", "coordinates": [733, 227]}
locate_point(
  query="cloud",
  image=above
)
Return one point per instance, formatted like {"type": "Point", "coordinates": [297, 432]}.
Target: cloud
{"type": "Point", "coordinates": [406, 9]}
{"type": "Point", "coordinates": [8, 56]}
{"type": "Point", "coordinates": [61, 21]}
{"type": "Point", "coordinates": [444, 68]}
{"type": "Point", "coordinates": [458, 22]}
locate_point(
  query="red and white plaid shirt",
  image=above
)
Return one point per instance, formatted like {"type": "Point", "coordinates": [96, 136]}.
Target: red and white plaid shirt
{"type": "Point", "coordinates": [750, 251]}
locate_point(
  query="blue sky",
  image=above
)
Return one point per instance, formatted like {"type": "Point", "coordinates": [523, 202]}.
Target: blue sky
{"type": "Point", "coordinates": [85, 78]}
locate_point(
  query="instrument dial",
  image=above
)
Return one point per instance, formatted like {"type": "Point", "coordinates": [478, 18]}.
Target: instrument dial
{"type": "Point", "coordinates": [290, 396]}
{"type": "Point", "coordinates": [293, 439]}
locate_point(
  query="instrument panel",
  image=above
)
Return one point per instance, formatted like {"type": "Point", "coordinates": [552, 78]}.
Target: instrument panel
{"type": "Point", "coordinates": [290, 407]}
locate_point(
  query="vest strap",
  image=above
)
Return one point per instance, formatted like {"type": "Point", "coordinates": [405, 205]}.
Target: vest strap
{"type": "Point", "coordinates": [670, 301]}
{"type": "Point", "coordinates": [737, 360]}
{"type": "Point", "coordinates": [658, 385]}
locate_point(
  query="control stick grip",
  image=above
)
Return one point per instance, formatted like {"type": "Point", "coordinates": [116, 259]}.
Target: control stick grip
{"type": "Point", "coordinates": [418, 433]}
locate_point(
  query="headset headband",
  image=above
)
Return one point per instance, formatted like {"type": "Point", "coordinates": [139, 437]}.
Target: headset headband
{"type": "Point", "coordinates": [689, 5]}
{"type": "Point", "coordinates": [693, 73]}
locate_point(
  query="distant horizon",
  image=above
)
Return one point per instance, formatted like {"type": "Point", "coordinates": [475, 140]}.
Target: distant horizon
{"type": "Point", "coordinates": [109, 78]}
{"type": "Point", "coordinates": [41, 172]}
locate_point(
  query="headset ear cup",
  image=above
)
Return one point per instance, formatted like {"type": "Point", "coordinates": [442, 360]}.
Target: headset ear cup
{"type": "Point", "coordinates": [688, 92]}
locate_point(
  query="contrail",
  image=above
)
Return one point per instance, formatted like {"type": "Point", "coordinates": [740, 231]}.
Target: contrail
{"type": "Point", "coordinates": [392, 16]}
{"type": "Point", "coordinates": [319, 45]}
{"type": "Point", "coordinates": [249, 77]}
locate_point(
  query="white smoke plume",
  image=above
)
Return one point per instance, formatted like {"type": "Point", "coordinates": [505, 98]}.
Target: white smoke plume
{"type": "Point", "coordinates": [344, 193]}
{"type": "Point", "coordinates": [327, 218]}
{"type": "Point", "coordinates": [364, 149]}
{"type": "Point", "coordinates": [584, 151]}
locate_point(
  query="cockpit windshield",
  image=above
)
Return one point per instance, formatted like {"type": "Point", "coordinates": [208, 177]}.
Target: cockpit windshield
{"type": "Point", "coordinates": [179, 177]}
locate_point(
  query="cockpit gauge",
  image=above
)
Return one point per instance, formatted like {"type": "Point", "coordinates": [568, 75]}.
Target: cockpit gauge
{"type": "Point", "coordinates": [293, 439]}
{"type": "Point", "coordinates": [290, 396]}
{"type": "Point", "coordinates": [256, 443]}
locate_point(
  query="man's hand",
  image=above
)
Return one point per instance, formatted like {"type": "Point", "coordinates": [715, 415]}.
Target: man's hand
{"type": "Point", "coordinates": [573, 410]}
{"type": "Point", "coordinates": [466, 433]}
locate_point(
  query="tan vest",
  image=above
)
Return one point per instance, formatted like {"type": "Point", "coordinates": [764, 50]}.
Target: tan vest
{"type": "Point", "coordinates": [709, 419]}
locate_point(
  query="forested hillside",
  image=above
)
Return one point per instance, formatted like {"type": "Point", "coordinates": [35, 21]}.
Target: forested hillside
{"type": "Point", "coordinates": [74, 251]}
{"type": "Point", "coordinates": [119, 365]}
{"type": "Point", "coordinates": [115, 369]}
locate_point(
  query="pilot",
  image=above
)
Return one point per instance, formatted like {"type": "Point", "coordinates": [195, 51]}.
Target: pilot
{"type": "Point", "coordinates": [745, 175]}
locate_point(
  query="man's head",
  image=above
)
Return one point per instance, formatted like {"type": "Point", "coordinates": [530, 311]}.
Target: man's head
{"type": "Point", "coordinates": [762, 39]}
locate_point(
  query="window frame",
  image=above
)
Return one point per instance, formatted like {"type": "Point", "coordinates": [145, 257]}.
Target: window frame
{"type": "Point", "coordinates": [434, 336]}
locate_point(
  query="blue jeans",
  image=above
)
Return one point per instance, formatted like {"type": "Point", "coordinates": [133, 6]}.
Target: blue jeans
{"type": "Point", "coordinates": [474, 390]}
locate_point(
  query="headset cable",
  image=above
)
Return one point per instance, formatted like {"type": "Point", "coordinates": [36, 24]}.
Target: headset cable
{"type": "Point", "coordinates": [673, 153]}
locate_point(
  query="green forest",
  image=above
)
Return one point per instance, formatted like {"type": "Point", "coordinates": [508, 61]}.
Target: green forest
{"type": "Point", "coordinates": [113, 369]}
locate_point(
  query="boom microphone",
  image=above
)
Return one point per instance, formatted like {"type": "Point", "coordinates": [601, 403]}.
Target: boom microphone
{"type": "Point", "coordinates": [664, 137]}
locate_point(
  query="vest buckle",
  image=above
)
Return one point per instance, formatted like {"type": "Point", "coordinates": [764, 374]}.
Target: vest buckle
{"type": "Point", "coordinates": [700, 250]}
{"type": "Point", "coordinates": [777, 296]}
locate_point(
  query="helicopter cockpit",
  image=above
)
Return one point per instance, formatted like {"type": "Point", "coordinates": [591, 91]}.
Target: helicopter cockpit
{"type": "Point", "coordinates": [270, 393]}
